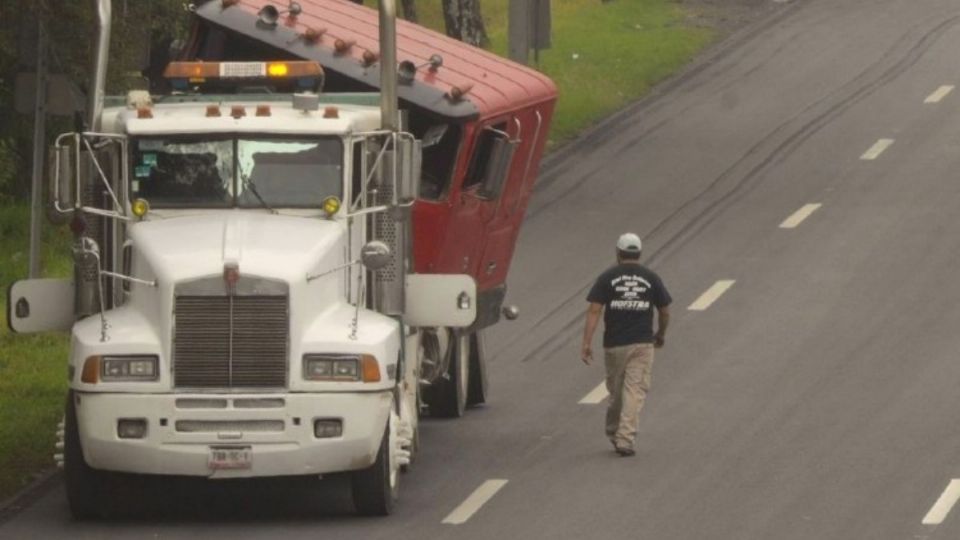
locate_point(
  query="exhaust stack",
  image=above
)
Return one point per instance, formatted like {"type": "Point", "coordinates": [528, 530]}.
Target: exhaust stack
{"type": "Point", "coordinates": [101, 56]}
{"type": "Point", "coordinates": [389, 116]}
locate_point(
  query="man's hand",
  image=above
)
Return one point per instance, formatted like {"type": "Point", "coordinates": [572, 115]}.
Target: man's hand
{"type": "Point", "coordinates": [586, 353]}
{"type": "Point", "coordinates": [658, 340]}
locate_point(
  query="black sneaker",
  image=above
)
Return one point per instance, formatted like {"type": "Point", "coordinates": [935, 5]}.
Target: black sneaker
{"type": "Point", "coordinates": [626, 452]}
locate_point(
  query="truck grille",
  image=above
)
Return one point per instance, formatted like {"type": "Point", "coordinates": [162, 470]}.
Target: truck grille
{"type": "Point", "coordinates": [230, 342]}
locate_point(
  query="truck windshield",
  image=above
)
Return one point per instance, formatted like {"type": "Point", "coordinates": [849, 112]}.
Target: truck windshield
{"type": "Point", "coordinates": [223, 172]}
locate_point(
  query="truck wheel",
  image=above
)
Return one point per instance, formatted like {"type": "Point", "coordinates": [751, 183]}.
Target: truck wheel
{"type": "Point", "coordinates": [477, 389]}
{"type": "Point", "coordinates": [450, 397]}
{"type": "Point", "coordinates": [84, 485]}
{"type": "Point", "coordinates": [376, 488]}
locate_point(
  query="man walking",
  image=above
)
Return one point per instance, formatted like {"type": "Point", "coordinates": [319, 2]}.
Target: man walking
{"type": "Point", "coordinates": [626, 295]}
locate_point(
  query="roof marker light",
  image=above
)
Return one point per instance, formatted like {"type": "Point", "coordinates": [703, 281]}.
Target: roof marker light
{"type": "Point", "coordinates": [278, 69]}
{"type": "Point", "coordinates": [343, 45]}
{"type": "Point", "coordinates": [313, 35]}
{"type": "Point", "coordinates": [213, 111]}
{"type": "Point", "coordinates": [238, 112]}
{"type": "Point", "coordinates": [456, 93]}
{"type": "Point", "coordinates": [331, 112]}
{"type": "Point", "coordinates": [263, 110]}
{"type": "Point", "coordinates": [144, 113]}
{"type": "Point", "coordinates": [370, 57]}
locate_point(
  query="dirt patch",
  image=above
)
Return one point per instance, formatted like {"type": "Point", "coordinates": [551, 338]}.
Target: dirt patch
{"type": "Point", "coordinates": [727, 16]}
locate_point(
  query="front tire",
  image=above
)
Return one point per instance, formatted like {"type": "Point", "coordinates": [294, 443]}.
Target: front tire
{"type": "Point", "coordinates": [84, 485]}
{"type": "Point", "coordinates": [377, 488]}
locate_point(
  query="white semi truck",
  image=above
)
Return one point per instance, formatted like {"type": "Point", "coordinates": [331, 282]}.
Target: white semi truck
{"type": "Point", "coordinates": [243, 304]}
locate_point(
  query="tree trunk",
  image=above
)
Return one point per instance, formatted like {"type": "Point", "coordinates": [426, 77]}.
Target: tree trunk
{"type": "Point", "coordinates": [464, 22]}
{"type": "Point", "coordinates": [409, 10]}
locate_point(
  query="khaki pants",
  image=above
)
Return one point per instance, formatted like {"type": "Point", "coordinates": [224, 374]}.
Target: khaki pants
{"type": "Point", "coordinates": [628, 381]}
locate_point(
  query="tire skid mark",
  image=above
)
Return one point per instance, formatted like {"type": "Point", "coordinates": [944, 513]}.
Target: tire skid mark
{"type": "Point", "coordinates": [858, 89]}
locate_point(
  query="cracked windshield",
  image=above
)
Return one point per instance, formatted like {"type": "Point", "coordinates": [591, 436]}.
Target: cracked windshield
{"type": "Point", "coordinates": [244, 172]}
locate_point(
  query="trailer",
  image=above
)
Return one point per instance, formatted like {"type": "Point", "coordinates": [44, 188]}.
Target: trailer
{"type": "Point", "coordinates": [276, 267]}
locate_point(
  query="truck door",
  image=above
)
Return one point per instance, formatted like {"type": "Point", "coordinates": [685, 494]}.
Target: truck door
{"type": "Point", "coordinates": [475, 203]}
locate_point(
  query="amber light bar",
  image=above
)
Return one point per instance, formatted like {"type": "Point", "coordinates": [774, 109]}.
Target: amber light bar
{"type": "Point", "coordinates": [200, 71]}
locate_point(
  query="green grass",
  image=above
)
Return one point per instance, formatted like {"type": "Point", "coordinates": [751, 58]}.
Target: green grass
{"type": "Point", "coordinates": [604, 55]}
{"type": "Point", "coordinates": [33, 369]}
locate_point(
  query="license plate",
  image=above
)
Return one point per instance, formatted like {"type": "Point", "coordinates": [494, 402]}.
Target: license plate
{"type": "Point", "coordinates": [230, 457]}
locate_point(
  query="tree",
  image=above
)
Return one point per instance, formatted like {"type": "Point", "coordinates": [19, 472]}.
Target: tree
{"type": "Point", "coordinates": [409, 10]}
{"type": "Point", "coordinates": [464, 22]}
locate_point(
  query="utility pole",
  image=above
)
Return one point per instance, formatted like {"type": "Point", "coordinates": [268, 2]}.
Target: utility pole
{"type": "Point", "coordinates": [39, 144]}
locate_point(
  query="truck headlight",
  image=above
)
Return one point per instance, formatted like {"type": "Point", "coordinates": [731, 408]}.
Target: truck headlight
{"type": "Point", "coordinates": [341, 367]}
{"type": "Point", "coordinates": [126, 368]}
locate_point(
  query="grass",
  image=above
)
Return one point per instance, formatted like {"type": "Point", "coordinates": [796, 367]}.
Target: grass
{"type": "Point", "coordinates": [604, 55]}
{"type": "Point", "coordinates": [33, 369]}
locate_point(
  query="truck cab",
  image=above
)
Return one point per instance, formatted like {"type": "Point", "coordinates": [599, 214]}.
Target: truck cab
{"type": "Point", "coordinates": [243, 283]}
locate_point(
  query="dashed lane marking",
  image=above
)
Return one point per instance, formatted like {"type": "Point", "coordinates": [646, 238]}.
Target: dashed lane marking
{"type": "Point", "coordinates": [596, 395]}
{"type": "Point", "coordinates": [711, 295]}
{"type": "Point", "coordinates": [797, 217]}
{"type": "Point", "coordinates": [477, 499]}
{"type": "Point", "coordinates": [939, 94]}
{"type": "Point", "coordinates": [938, 512]}
{"type": "Point", "coordinates": [877, 149]}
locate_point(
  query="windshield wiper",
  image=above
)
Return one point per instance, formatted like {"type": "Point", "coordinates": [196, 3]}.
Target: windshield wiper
{"type": "Point", "coordinates": [249, 185]}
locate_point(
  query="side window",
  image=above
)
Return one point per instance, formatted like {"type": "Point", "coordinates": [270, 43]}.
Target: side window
{"type": "Point", "coordinates": [482, 152]}
{"type": "Point", "coordinates": [440, 144]}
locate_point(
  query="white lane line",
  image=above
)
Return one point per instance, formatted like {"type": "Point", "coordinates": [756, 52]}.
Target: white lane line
{"type": "Point", "coordinates": [596, 395]}
{"type": "Point", "coordinates": [938, 512]}
{"type": "Point", "coordinates": [939, 94]}
{"type": "Point", "coordinates": [877, 149]}
{"type": "Point", "coordinates": [711, 295]}
{"type": "Point", "coordinates": [478, 498]}
{"type": "Point", "coordinates": [797, 217]}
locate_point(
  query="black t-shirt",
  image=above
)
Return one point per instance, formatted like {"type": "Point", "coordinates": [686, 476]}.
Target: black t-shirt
{"type": "Point", "coordinates": [628, 292]}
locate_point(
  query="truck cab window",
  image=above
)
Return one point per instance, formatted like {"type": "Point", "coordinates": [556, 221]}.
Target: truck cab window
{"type": "Point", "coordinates": [226, 172]}
{"type": "Point", "coordinates": [480, 160]}
{"type": "Point", "coordinates": [440, 145]}
{"type": "Point", "coordinates": [289, 172]}
{"type": "Point", "coordinates": [183, 172]}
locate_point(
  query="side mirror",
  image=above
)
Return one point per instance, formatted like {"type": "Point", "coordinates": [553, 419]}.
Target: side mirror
{"type": "Point", "coordinates": [501, 156]}
{"type": "Point", "coordinates": [375, 255]}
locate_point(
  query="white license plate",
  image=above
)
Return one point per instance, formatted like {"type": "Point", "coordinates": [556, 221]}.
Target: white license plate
{"type": "Point", "coordinates": [230, 457]}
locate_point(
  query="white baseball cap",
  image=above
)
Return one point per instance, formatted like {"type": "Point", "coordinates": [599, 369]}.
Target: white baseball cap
{"type": "Point", "coordinates": [629, 242]}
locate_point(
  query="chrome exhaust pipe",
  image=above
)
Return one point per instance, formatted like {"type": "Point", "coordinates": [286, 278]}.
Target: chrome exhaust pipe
{"type": "Point", "coordinates": [389, 115]}
{"type": "Point", "coordinates": [101, 57]}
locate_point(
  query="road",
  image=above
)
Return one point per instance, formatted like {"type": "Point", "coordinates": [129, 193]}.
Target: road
{"type": "Point", "coordinates": [809, 165]}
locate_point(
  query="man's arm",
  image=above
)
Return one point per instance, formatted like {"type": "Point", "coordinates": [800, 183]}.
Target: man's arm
{"type": "Point", "coordinates": [663, 321]}
{"type": "Point", "coordinates": [593, 317]}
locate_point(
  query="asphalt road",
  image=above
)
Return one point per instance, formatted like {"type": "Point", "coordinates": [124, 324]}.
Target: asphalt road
{"type": "Point", "coordinates": [816, 397]}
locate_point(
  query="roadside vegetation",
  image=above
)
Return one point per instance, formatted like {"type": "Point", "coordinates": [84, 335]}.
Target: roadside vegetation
{"type": "Point", "coordinates": [604, 56]}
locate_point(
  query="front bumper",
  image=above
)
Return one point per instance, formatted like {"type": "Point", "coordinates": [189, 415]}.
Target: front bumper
{"type": "Point", "coordinates": [286, 446]}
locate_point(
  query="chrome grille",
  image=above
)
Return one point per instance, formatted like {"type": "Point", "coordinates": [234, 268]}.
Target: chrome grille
{"type": "Point", "coordinates": [230, 341]}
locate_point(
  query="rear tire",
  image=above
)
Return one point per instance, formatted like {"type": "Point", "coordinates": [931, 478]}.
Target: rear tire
{"type": "Point", "coordinates": [84, 485]}
{"type": "Point", "coordinates": [377, 488]}
{"type": "Point", "coordinates": [449, 394]}
{"type": "Point", "coordinates": [477, 388]}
